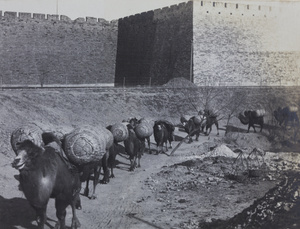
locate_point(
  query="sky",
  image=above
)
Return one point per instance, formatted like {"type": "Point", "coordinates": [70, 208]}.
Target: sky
{"type": "Point", "coordinates": [107, 9]}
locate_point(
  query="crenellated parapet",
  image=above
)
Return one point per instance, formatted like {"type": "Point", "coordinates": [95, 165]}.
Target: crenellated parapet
{"type": "Point", "coordinates": [211, 7]}
{"type": "Point", "coordinates": [15, 16]}
{"type": "Point", "coordinates": [235, 9]}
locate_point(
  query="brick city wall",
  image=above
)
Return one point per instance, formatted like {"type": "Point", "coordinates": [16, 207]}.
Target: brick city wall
{"type": "Point", "coordinates": [155, 46]}
{"type": "Point", "coordinates": [238, 44]}
{"type": "Point", "coordinates": [52, 49]}
{"type": "Point", "coordinates": [211, 43]}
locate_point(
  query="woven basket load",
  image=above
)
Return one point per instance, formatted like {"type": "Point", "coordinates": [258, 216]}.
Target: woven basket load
{"type": "Point", "coordinates": [30, 132]}
{"type": "Point", "coordinates": [143, 130]}
{"type": "Point", "coordinates": [86, 144]}
{"type": "Point", "coordinates": [146, 120]}
{"type": "Point", "coordinates": [260, 112]}
{"type": "Point", "coordinates": [293, 108]}
{"type": "Point", "coordinates": [197, 119]}
{"type": "Point", "coordinates": [107, 135]}
{"type": "Point", "coordinates": [119, 132]}
{"type": "Point", "coordinates": [187, 117]}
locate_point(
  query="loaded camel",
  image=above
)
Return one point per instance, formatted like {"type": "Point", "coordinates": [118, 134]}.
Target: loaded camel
{"type": "Point", "coordinates": [44, 174]}
{"type": "Point", "coordinates": [252, 117]}
{"type": "Point", "coordinates": [286, 115]}
{"type": "Point", "coordinates": [163, 132]}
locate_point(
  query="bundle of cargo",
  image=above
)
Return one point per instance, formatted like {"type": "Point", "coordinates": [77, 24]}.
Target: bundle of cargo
{"type": "Point", "coordinates": [293, 108]}
{"type": "Point", "coordinates": [87, 144]}
{"type": "Point", "coordinates": [143, 130]}
{"type": "Point", "coordinates": [119, 131]}
{"type": "Point", "coordinates": [30, 131]}
{"type": "Point", "coordinates": [107, 135]}
{"type": "Point", "coordinates": [147, 120]}
{"type": "Point", "coordinates": [187, 117]}
{"type": "Point", "coordinates": [198, 119]}
{"type": "Point", "coordinates": [260, 112]}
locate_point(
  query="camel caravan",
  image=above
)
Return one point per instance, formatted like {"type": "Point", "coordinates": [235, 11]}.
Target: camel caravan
{"type": "Point", "coordinates": [56, 165]}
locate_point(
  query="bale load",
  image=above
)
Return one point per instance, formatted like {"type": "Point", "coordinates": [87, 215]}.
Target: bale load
{"type": "Point", "coordinates": [143, 130]}
{"type": "Point", "coordinates": [119, 132]}
{"type": "Point", "coordinates": [293, 108]}
{"type": "Point", "coordinates": [147, 120]}
{"type": "Point", "coordinates": [198, 119]}
{"type": "Point", "coordinates": [30, 132]}
{"type": "Point", "coordinates": [87, 144]}
{"type": "Point", "coordinates": [187, 117]}
{"type": "Point", "coordinates": [109, 138]}
{"type": "Point", "coordinates": [260, 112]}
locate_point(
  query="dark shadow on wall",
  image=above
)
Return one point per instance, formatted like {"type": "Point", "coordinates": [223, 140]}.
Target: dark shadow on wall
{"type": "Point", "coordinates": [155, 46]}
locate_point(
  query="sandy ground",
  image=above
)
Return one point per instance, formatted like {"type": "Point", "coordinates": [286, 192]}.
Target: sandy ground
{"type": "Point", "coordinates": [177, 191]}
{"type": "Point", "coordinates": [164, 193]}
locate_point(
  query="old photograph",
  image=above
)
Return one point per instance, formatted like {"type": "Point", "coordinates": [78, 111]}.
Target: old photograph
{"type": "Point", "coordinates": [140, 114]}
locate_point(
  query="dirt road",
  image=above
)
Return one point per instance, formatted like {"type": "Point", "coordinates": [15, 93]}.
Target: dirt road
{"type": "Point", "coordinates": [157, 195]}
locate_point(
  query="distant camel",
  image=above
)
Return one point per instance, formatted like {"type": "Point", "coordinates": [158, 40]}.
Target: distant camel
{"type": "Point", "coordinates": [252, 117]}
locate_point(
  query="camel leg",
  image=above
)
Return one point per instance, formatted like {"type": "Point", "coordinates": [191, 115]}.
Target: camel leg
{"type": "Point", "coordinates": [208, 127]}
{"type": "Point", "coordinates": [139, 160]}
{"type": "Point", "coordinates": [148, 140]}
{"type": "Point", "coordinates": [61, 205]}
{"type": "Point", "coordinates": [75, 220]}
{"type": "Point", "coordinates": [97, 171]}
{"type": "Point", "coordinates": [166, 143]}
{"type": "Point", "coordinates": [248, 128]}
{"type": "Point", "coordinates": [105, 179]}
{"type": "Point", "coordinates": [112, 162]}
{"type": "Point", "coordinates": [41, 216]}
{"type": "Point", "coordinates": [217, 126]}
{"type": "Point", "coordinates": [133, 164]}
{"type": "Point", "coordinates": [86, 190]}
{"type": "Point", "coordinates": [197, 136]}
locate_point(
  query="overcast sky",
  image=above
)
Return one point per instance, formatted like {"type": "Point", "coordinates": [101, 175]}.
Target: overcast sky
{"type": "Point", "coordinates": [107, 9]}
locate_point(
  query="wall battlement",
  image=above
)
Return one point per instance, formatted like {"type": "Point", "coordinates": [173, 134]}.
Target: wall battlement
{"type": "Point", "coordinates": [216, 7]}
{"type": "Point", "coordinates": [53, 17]}
{"type": "Point", "coordinates": [173, 9]}
{"type": "Point", "coordinates": [235, 9]}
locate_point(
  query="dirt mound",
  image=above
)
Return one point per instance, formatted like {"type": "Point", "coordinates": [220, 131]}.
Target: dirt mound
{"type": "Point", "coordinates": [180, 82]}
{"type": "Point", "coordinates": [222, 150]}
{"type": "Point", "coordinates": [248, 141]}
{"type": "Point", "coordinates": [181, 187]}
{"type": "Point", "coordinates": [279, 208]}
